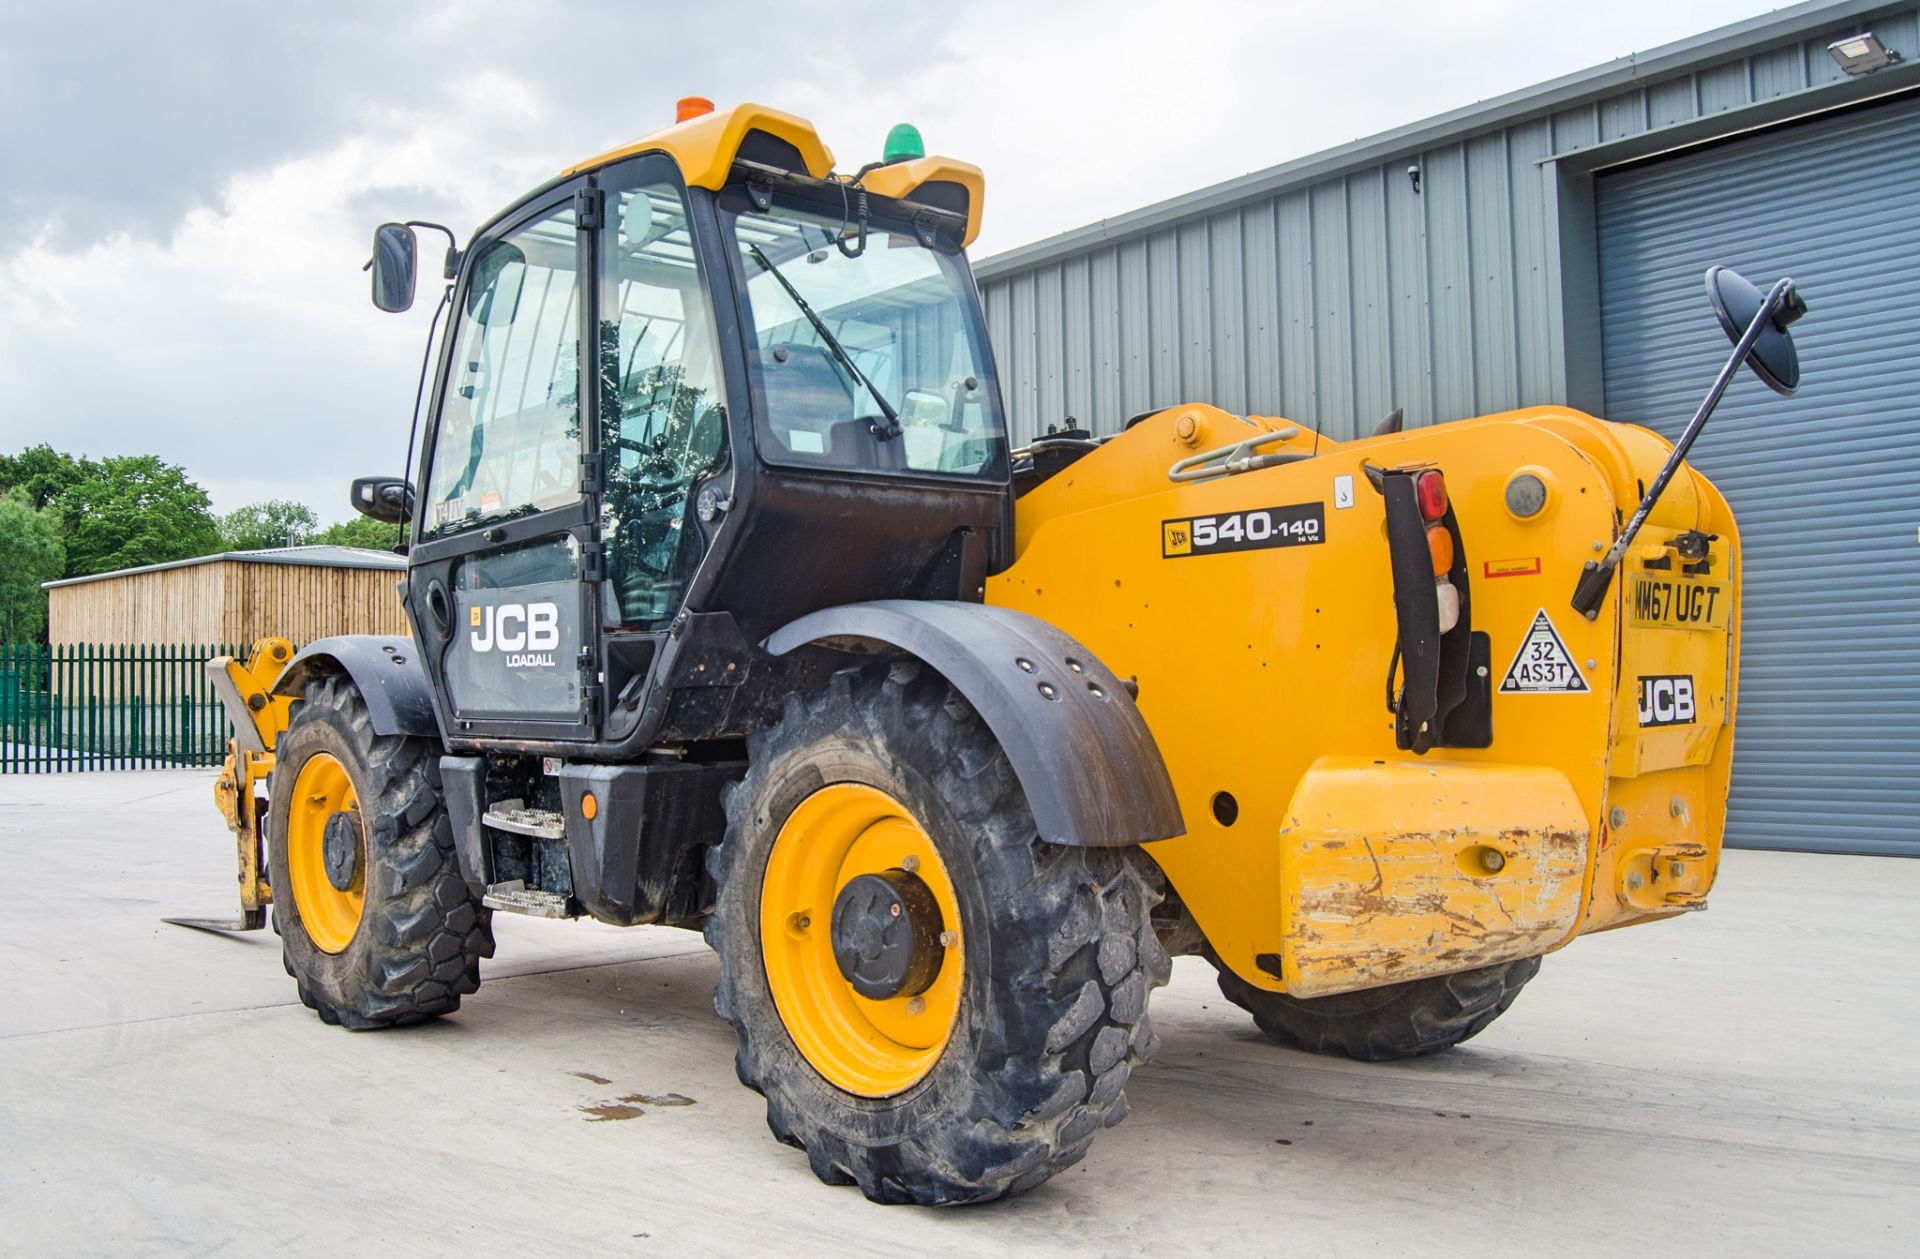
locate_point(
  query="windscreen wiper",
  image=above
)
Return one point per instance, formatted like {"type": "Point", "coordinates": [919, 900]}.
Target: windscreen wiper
{"type": "Point", "coordinates": [883, 431]}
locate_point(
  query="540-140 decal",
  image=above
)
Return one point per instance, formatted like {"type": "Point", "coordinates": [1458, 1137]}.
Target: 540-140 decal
{"type": "Point", "coordinates": [1299, 524]}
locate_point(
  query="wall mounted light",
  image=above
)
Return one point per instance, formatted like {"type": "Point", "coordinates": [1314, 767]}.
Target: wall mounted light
{"type": "Point", "coordinates": [1862, 53]}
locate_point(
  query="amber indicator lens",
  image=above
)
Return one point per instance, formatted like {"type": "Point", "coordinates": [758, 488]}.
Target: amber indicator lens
{"type": "Point", "coordinates": [1440, 547]}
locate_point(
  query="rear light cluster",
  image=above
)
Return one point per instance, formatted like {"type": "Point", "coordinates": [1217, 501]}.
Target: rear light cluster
{"type": "Point", "coordinates": [1430, 492]}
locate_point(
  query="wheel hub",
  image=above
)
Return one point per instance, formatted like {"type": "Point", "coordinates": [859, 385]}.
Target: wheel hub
{"type": "Point", "coordinates": [886, 932]}
{"type": "Point", "coordinates": [870, 997]}
{"type": "Point", "coordinates": [340, 849]}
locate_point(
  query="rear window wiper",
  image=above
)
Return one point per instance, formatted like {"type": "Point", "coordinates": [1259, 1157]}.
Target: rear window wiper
{"type": "Point", "coordinates": [892, 427]}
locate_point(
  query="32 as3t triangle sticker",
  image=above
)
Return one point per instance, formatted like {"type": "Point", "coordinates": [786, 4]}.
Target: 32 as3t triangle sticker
{"type": "Point", "coordinates": [1543, 665]}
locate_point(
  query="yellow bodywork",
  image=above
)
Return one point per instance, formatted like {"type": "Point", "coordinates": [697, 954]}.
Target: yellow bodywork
{"type": "Point", "coordinates": [704, 148]}
{"type": "Point", "coordinates": [1344, 862]}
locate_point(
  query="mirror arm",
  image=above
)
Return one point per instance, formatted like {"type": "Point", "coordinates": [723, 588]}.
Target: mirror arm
{"type": "Point", "coordinates": [1597, 576]}
{"type": "Point", "coordinates": [450, 267]}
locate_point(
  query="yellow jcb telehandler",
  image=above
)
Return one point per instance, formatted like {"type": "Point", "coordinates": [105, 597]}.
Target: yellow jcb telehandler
{"type": "Point", "coordinates": [734, 609]}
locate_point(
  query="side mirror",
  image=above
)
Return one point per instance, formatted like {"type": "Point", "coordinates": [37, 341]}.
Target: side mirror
{"type": "Point", "coordinates": [1736, 300]}
{"type": "Point", "coordinates": [388, 499]}
{"type": "Point", "coordinates": [395, 255]}
{"type": "Point", "coordinates": [922, 408]}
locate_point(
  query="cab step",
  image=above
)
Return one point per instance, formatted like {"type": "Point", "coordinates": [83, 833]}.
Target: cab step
{"type": "Point", "coordinates": [514, 817]}
{"type": "Point", "coordinates": [515, 897]}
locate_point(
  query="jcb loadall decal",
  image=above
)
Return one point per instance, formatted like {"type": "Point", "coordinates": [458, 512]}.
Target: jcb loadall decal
{"type": "Point", "coordinates": [1543, 665]}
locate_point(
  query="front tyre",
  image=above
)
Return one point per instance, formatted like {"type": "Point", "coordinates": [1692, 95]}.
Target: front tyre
{"type": "Point", "coordinates": [377, 926]}
{"type": "Point", "coordinates": [938, 1006]}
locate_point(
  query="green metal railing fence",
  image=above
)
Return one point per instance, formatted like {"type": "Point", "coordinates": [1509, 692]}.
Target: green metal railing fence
{"type": "Point", "coordinates": [90, 706]}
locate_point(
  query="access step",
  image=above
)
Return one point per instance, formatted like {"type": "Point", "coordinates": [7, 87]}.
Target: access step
{"type": "Point", "coordinates": [515, 897]}
{"type": "Point", "coordinates": [514, 817]}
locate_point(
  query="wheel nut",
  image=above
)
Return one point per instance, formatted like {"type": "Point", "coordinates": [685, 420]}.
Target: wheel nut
{"type": "Point", "coordinates": [909, 863]}
{"type": "Point", "coordinates": [917, 1005]}
{"type": "Point", "coordinates": [948, 939]}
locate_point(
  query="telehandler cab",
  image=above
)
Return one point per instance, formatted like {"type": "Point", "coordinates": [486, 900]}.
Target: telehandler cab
{"type": "Point", "coordinates": [733, 609]}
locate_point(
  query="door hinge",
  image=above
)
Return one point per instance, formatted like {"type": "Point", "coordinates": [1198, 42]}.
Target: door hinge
{"type": "Point", "coordinates": [587, 205]}
{"type": "Point", "coordinates": [590, 474]}
{"type": "Point", "coordinates": [593, 565]}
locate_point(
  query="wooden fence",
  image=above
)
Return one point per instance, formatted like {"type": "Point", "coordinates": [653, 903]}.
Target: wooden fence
{"type": "Point", "coordinates": [87, 706]}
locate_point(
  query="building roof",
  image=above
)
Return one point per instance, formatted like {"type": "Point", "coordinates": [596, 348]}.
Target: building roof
{"type": "Point", "coordinates": [294, 556]}
{"type": "Point", "coordinates": [1782, 26]}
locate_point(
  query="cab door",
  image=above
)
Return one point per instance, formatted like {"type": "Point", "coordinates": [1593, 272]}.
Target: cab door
{"type": "Point", "coordinates": [663, 446]}
{"type": "Point", "coordinates": [501, 583]}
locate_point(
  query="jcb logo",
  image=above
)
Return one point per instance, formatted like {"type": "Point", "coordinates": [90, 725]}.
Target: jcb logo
{"type": "Point", "coordinates": [1666, 701]}
{"type": "Point", "coordinates": [522, 630]}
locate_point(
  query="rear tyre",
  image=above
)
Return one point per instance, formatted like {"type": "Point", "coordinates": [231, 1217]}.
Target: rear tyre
{"type": "Point", "coordinates": [377, 926]}
{"type": "Point", "coordinates": [1406, 1020]}
{"type": "Point", "coordinates": [1036, 1010]}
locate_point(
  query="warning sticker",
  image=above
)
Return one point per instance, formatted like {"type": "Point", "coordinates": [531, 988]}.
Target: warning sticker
{"type": "Point", "coordinates": [1543, 665]}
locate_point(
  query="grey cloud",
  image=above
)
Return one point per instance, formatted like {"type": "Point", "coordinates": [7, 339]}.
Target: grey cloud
{"type": "Point", "coordinates": [125, 117]}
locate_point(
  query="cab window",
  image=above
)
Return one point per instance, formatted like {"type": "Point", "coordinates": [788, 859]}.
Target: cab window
{"type": "Point", "coordinates": [867, 352]}
{"type": "Point", "coordinates": [663, 423]}
{"type": "Point", "coordinates": [508, 441]}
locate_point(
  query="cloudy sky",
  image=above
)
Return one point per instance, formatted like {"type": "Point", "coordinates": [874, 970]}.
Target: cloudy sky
{"type": "Point", "coordinates": [187, 190]}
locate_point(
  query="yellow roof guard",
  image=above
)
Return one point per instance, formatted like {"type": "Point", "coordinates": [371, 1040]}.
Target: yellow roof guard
{"type": "Point", "coordinates": [706, 142]}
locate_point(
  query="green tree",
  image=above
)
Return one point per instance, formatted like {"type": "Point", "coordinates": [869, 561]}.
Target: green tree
{"type": "Point", "coordinates": [133, 510]}
{"type": "Point", "coordinates": [30, 552]}
{"type": "Point", "coordinates": [43, 473]}
{"type": "Point", "coordinates": [260, 526]}
{"type": "Point", "coordinates": [360, 531]}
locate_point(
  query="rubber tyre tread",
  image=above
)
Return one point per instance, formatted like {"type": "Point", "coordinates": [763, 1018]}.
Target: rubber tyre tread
{"type": "Point", "coordinates": [422, 932]}
{"type": "Point", "coordinates": [1405, 1020]}
{"type": "Point", "coordinates": [1060, 952]}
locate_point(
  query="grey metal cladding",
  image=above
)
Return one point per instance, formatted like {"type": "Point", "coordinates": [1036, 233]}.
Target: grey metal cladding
{"type": "Point", "coordinates": [1826, 484]}
{"type": "Point", "coordinates": [1328, 291]}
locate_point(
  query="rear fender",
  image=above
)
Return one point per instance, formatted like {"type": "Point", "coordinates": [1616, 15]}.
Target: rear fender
{"type": "Point", "coordinates": [1092, 773]}
{"type": "Point", "coordinates": [385, 670]}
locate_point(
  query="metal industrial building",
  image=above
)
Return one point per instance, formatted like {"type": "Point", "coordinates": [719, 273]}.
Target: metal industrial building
{"type": "Point", "coordinates": [1547, 247]}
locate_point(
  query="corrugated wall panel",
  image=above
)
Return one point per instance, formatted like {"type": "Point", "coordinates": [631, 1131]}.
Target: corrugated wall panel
{"type": "Point", "coordinates": [1332, 322]}
{"type": "Point", "coordinates": [1138, 380]}
{"type": "Point", "coordinates": [1412, 367]}
{"type": "Point", "coordinates": [1227, 316]}
{"type": "Point", "coordinates": [1193, 309]}
{"type": "Point", "coordinates": [1261, 304]}
{"type": "Point", "coordinates": [1444, 199]}
{"type": "Point", "coordinates": [1490, 261]}
{"type": "Point", "coordinates": [1372, 297]}
{"type": "Point", "coordinates": [1826, 484]}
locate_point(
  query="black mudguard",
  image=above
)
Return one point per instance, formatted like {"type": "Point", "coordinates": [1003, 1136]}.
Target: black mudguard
{"type": "Point", "coordinates": [1091, 771]}
{"type": "Point", "coordinates": [386, 672]}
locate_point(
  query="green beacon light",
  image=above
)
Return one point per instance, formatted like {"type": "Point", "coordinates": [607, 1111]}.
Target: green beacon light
{"type": "Point", "coordinates": [903, 144]}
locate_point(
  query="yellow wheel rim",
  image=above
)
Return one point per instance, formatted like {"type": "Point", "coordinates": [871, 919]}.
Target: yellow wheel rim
{"type": "Point", "coordinates": [873, 1048]}
{"type": "Point", "coordinates": [330, 915]}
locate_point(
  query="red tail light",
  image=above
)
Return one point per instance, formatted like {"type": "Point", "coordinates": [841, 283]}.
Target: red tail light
{"type": "Point", "coordinates": [1430, 491]}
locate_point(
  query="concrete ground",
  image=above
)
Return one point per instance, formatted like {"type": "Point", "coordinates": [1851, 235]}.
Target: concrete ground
{"type": "Point", "coordinates": [1740, 1082]}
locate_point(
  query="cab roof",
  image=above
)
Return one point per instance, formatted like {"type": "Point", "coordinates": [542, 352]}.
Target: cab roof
{"type": "Point", "coordinates": [705, 149]}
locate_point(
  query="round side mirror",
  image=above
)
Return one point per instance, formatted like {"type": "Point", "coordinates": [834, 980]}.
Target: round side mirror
{"type": "Point", "coordinates": [1736, 301]}
{"type": "Point", "coordinates": [395, 254]}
